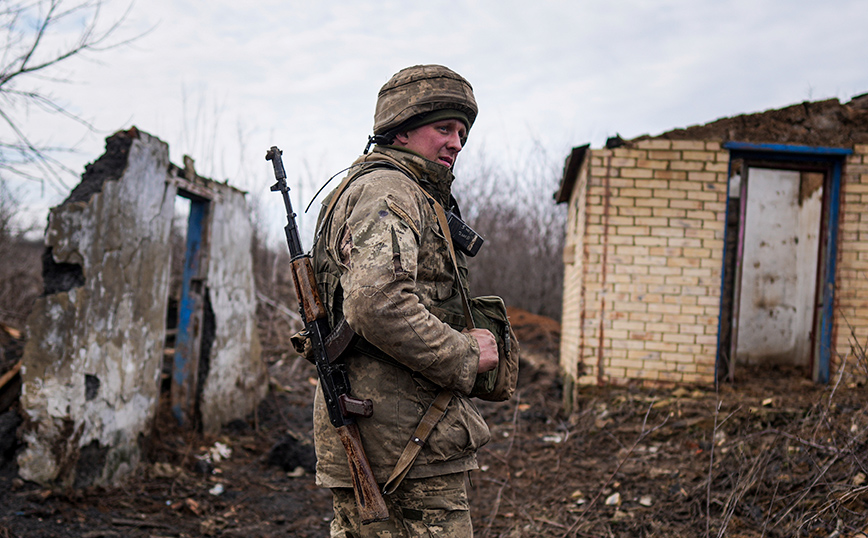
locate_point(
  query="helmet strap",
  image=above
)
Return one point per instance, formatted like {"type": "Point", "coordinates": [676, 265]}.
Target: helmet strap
{"type": "Point", "coordinates": [382, 140]}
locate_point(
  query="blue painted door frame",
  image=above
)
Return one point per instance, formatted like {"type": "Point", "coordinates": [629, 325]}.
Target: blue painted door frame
{"type": "Point", "coordinates": [833, 159]}
{"type": "Point", "coordinates": [185, 371]}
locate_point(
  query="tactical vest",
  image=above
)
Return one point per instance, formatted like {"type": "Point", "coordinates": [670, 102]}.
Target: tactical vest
{"type": "Point", "coordinates": [328, 273]}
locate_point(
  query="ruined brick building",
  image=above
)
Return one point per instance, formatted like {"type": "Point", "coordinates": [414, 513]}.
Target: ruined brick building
{"type": "Point", "coordinates": [697, 253]}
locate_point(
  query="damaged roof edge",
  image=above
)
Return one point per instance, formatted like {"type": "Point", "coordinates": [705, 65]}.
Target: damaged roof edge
{"type": "Point", "coordinates": [571, 173]}
{"type": "Point", "coordinates": [110, 166]}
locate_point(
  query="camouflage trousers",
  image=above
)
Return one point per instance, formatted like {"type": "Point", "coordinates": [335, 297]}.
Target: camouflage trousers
{"type": "Point", "coordinates": [425, 507]}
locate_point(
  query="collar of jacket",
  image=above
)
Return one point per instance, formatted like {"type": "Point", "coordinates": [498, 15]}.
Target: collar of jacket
{"type": "Point", "coordinates": [433, 177]}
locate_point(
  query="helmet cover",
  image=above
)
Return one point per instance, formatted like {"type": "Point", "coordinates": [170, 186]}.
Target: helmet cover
{"type": "Point", "coordinates": [422, 89]}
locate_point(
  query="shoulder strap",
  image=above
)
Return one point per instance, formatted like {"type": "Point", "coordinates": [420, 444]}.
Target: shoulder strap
{"type": "Point", "coordinates": [336, 194]}
{"type": "Point", "coordinates": [417, 441]}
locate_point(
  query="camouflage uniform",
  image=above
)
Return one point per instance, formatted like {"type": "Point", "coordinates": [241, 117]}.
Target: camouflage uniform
{"type": "Point", "coordinates": [435, 506]}
{"type": "Point", "coordinates": [382, 261]}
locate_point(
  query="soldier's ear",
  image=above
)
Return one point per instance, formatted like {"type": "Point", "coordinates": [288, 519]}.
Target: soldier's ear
{"type": "Point", "coordinates": [402, 139]}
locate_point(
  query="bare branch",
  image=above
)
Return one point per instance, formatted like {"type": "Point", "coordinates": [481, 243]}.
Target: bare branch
{"type": "Point", "coordinates": [29, 30]}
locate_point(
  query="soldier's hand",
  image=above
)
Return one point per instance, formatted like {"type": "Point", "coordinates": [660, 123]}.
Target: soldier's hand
{"type": "Point", "coordinates": [487, 349]}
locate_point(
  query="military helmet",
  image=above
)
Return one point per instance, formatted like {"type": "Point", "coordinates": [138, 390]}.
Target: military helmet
{"type": "Point", "coordinates": [422, 89]}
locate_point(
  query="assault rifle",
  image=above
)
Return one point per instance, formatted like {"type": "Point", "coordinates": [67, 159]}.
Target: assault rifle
{"type": "Point", "coordinates": [342, 408]}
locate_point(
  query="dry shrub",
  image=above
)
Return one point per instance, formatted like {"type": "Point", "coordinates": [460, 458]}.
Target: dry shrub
{"type": "Point", "coordinates": [21, 267]}
{"type": "Point", "coordinates": [276, 311]}
{"type": "Point", "coordinates": [511, 206]}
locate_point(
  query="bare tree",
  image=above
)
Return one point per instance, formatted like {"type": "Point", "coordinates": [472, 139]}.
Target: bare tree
{"type": "Point", "coordinates": [34, 41]}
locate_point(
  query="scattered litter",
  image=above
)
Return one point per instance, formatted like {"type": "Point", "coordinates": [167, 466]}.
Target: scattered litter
{"type": "Point", "coordinates": [554, 438]}
{"type": "Point", "coordinates": [620, 514]}
{"type": "Point", "coordinates": [768, 402]}
{"type": "Point", "coordinates": [601, 423]}
{"type": "Point", "coordinates": [216, 490]}
{"type": "Point", "coordinates": [189, 504]}
{"type": "Point", "coordinates": [165, 470]}
{"type": "Point", "coordinates": [298, 472]}
{"type": "Point", "coordinates": [220, 452]}
{"type": "Point", "coordinates": [613, 499]}
{"type": "Point", "coordinates": [215, 454]}
{"type": "Point", "coordinates": [646, 500]}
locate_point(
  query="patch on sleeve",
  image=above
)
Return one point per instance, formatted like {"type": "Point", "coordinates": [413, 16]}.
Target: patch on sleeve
{"type": "Point", "coordinates": [403, 215]}
{"type": "Point", "coordinates": [345, 246]}
{"type": "Point", "coordinates": [396, 254]}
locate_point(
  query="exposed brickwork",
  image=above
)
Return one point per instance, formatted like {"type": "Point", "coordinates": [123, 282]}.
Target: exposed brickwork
{"type": "Point", "coordinates": [654, 212]}
{"type": "Point", "coordinates": [851, 299]}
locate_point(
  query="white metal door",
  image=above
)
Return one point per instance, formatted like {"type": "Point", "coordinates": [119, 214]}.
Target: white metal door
{"type": "Point", "coordinates": [779, 267]}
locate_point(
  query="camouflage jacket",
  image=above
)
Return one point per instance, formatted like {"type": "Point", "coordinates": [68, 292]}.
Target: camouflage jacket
{"type": "Point", "coordinates": [382, 262]}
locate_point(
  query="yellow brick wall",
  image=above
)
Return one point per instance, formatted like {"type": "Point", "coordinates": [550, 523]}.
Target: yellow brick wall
{"type": "Point", "coordinates": [573, 266]}
{"type": "Point", "coordinates": [851, 293]}
{"type": "Point", "coordinates": [650, 312]}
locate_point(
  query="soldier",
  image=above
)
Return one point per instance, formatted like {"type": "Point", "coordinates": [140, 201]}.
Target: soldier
{"type": "Point", "coordinates": [383, 263]}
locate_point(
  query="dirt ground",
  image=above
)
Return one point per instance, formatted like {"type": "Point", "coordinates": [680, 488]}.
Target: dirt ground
{"type": "Point", "coordinates": [772, 456]}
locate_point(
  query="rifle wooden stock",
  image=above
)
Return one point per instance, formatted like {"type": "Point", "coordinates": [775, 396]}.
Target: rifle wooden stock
{"type": "Point", "coordinates": [369, 500]}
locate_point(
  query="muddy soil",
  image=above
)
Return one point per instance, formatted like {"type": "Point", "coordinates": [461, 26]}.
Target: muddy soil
{"type": "Point", "coordinates": [772, 456]}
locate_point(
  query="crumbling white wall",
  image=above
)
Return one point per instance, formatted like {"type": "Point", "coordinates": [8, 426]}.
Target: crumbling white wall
{"type": "Point", "coordinates": [237, 379]}
{"type": "Point", "coordinates": [92, 364]}
{"type": "Point", "coordinates": [109, 332]}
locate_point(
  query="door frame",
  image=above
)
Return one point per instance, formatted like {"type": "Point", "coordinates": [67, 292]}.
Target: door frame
{"type": "Point", "coordinates": [787, 156]}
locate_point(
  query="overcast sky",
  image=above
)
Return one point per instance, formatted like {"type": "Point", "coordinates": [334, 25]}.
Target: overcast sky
{"type": "Point", "coordinates": [224, 80]}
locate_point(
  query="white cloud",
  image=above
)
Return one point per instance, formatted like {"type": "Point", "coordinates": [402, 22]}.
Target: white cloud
{"type": "Point", "coordinates": [304, 75]}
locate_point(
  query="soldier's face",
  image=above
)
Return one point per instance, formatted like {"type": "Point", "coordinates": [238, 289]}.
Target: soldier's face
{"type": "Point", "coordinates": [439, 141]}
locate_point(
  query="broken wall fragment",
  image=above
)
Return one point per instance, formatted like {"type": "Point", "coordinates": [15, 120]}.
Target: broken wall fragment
{"type": "Point", "coordinates": [92, 364]}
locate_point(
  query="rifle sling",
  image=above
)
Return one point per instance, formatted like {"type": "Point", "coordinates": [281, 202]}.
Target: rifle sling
{"type": "Point", "coordinates": [432, 416]}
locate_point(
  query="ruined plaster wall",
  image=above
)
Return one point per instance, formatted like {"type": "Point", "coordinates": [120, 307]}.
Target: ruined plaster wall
{"type": "Point", "coordinates": [651, 311]}
{"type": "Point", "coordinates": [94, 352]}
{"type": "Point", "coordinates": [851, 297]}
{"type": "Point", "coordinates": [237, 379]}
